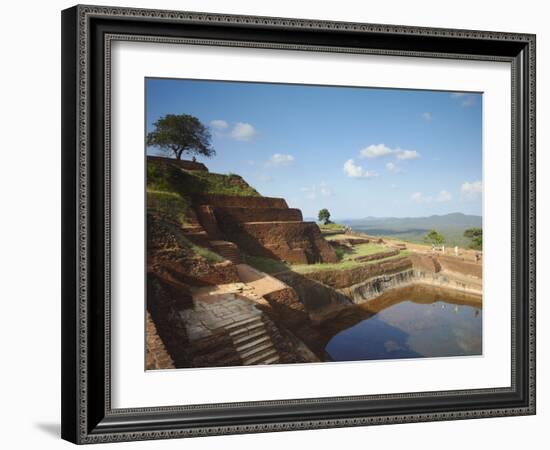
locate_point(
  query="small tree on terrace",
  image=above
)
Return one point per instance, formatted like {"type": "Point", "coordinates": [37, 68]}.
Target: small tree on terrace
{"type": "Point", "coordinates": [476, 235]}
{"type": "Point", "coordinates": [324, 216]}
{"type": "Point", "coordinates": [179, 134]}
{"type": "Point", "coordinates": [434, 238]}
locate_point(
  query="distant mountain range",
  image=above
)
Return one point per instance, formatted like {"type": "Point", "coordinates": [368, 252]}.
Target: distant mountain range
{"type": "Point", "coordinates": [452, 219]}
{"type": "Point", "coordinates": [451, 226]}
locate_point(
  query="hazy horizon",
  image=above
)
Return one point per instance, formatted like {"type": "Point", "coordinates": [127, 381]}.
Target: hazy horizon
{"type": "Point", "coordinates": [371, 217]}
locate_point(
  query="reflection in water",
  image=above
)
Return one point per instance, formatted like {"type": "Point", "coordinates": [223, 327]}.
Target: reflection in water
{"type": "Point", "coordinates": [412, 322]}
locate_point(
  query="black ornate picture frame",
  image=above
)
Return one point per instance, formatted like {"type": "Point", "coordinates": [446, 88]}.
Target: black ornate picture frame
{"type": "Point", "coordinates": [87, 35]}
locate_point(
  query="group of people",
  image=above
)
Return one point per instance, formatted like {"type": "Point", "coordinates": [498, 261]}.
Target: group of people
{"type": "Point", "coordinates": [456, 252]}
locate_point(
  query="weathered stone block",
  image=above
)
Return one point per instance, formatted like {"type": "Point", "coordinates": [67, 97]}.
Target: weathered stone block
{"type": "Point", "coordinates": [295, 242]}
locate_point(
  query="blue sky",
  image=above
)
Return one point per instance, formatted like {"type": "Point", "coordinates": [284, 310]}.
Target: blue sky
{"type": "Point", "coordinates": [356, 151]}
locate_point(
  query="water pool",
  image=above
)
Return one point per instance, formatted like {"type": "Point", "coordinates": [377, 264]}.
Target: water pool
{"type": "Point", "coordinates": [412, 322]}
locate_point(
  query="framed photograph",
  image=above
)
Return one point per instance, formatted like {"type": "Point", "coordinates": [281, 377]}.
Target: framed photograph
{"type": "Point", "coordinates": [280, 224]}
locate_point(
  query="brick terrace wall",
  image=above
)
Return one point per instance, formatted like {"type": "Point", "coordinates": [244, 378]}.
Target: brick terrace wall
{"type": "Point", "coordinates": [287, 306]}
{"type": "Point", "coordinates": [226, 215]}
{"type": "Point", "coordinates": [339, 279]}
{"type": "Point", "coordinates": [425, 263]}
{"type": "Point", "coordinates": [156, 355]}
{"type": "Point", "coordinates": [295, 242]}
{"type": "Point", "coordinates": [320, 301]}
{"type": "Point", "coordinates": [375, 256]}
{"type": "Point", "coordinates": [236, 201]}
{"type": "Point", "coordinates": [453, 264]}
{"type": "Point", "coordinates": [164, 299]}
{"type": "Point", "coordinates": [436, 263]}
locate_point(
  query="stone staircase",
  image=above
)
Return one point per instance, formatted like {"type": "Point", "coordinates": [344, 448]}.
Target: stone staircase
{"type": "Point", "coordinates": [252, 341]}
{"type": "Point", "coordinates": [228, 250]}
{"type": "Point", "coordinates": [196, 234]}
{"type": "Point", "coordinates": [194, 230]}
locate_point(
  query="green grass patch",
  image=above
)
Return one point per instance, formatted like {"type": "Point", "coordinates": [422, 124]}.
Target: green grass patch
{"type": "Point", "coordinates": [216, 183]}
{"type": "Point", "coordinates": [169, 204]}
{"type": "Point", "coordinates": [267, 265]}
{"type": "Point", "coordinates": [331, 227]}
{"type": "Point", "coordinates": [356, 251]}
{"type": "Point", "coordinates": [364, 250]}
{"type": "Point", "coordinates": [166, 176]}
{"type": "Point", "coordinates": [347, 262]}
{"type": "Point", "coordinates": [206, 253]}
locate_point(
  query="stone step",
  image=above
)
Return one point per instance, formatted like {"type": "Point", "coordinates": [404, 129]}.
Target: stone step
{"type": "Point", "coordinates": [261, 357]}
{"type": "Point", "coordinates": [243, 323]}
{"type": "Point", "coordinates": [199, 238]}
{"type": "Point", "coordinates": [226, 254]}
{"type": "Point", "coordinates": [193, 229]}
{"type": "Point", "coordinates": [245, 337]}
{"type": "Point", "coordinates": [227, 249]}
{"type": "Point", "coordinates": [246, 331]}
{"type": "Point", "coordinates": [215, 355]}
{"type": "Point", "coordinates": [257, 349]}
{"type": "Point", "coordinates": [271, 360]}
{"type": "Point", "coordinates": [254, 344]}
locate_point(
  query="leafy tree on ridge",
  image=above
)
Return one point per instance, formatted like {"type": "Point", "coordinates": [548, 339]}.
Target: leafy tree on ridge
{"type": "Point", "coordinates": [179, 134]}
{"type": "Point", "coordinates": [324, 216]}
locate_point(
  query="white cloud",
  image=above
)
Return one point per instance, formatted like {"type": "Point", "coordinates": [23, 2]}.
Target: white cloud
{"type": "Point", "coordinates": [378, 150]}
{"type": "Point", "coordinates": [375, 151]}
{"type": "Point", "coordinates": [465, 98]}
{"type": "Point", "coordinates": [471, 189]}
{"type": "Point", "coordinates": [243, 131]}
{"type": "Point", "coordinates": [427, 116]}
{"type": "Point", "coordinates": [354, 171]}
{"type": "Point", "coordinates": [219, 124]}
{"type": "Point", "coordinates": [442, 196]}
{"type": "Point", "coordinates": [320, 190]}
{"type": "Point", "coordinates": [407, 154]}
{"type": "Point", "coordinates": [279, 160]}
{"type": "Point", "coordinates": [393, 168]}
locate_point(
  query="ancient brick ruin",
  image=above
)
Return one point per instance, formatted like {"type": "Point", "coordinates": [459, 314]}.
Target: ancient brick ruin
{"type": "Point", "coordinates": [205, 312]}
{"type": "Point", "coordinates": [259, 226]}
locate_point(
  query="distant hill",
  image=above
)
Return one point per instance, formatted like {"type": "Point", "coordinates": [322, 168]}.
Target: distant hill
{"type": "Point", "coordinates": [413, 229]}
